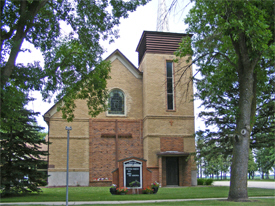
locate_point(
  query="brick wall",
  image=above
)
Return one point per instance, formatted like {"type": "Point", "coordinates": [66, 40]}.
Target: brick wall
{"type": "Point", "coordinates": [115, 175]}
{"type": "Point", "coordinates": [102, 144]}
{"type": "Point", "coordinates": [185, 171]}
{"type": "Point", "coordinates": [171, 144]}
{"type": "Point", "coordinates": [163, 180]}
{"type": "Point", "coordinates": [103, 183]}
{"type": "Point", "coordinates": [160, 170]}
{"type": "Point", "coordinates": [155, 173]}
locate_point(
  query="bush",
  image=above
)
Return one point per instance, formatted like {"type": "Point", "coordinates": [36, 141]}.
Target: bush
{"type": "Point", "coordinates": [147, 190]}
{"type": "Point", "coordinates": [155, 184]}
{"type": "Point", "coordinates": [208, 181]}
{"type": "Point", "coordinates": [121, 190]}
{"type": "Point", "coordinates": [202, 181]}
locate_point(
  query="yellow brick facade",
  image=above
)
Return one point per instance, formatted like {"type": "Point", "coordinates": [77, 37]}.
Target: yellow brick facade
{"type": "Point", "coordinates": [146, 104]}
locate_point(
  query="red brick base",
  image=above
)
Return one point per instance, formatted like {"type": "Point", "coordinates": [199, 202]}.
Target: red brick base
{"type": "Point", "coordinates": [105, 149]}
{"type": "Point", "coordinates": [102, 183]}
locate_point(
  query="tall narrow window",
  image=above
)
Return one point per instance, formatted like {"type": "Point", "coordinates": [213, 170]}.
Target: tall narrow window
{"type": "Point", "coordinates": [116, 102]}
{"type": "Point", "coordinates": [170, 86]}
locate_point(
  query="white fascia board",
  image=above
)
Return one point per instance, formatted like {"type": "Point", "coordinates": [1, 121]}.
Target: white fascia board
{"type": "Point", "coordinates": [126, 63]}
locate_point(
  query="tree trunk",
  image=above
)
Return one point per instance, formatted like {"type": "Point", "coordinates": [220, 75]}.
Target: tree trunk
{"type": "Point", "coordinates": [22, 27]}
{"type": "Point", "coordinates": [201, 172]}
{"type": "Point", "coordinates": [239, 167]}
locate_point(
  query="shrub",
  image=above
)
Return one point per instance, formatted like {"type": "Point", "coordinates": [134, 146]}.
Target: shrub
{"type": "Point", "coordinates": [113, 186]}
{"type": "Point", "coordinates": [208, 181]}
{"type": "Point", "coordinates": [147, 190]}
{"type": "Point", "coordinates": [200, 181]}
{"type": "Point", "coordinates": [121, 190]}
{"type": "Point", "coordinates": [155, 184]}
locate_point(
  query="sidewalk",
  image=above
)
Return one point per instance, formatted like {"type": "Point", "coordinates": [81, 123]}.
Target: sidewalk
{"type": "Point", "coordinates": [119, 202]}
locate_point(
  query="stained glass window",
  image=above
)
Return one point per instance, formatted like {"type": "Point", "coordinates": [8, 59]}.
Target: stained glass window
{"type": "Point", "coordinates": [116, 102]}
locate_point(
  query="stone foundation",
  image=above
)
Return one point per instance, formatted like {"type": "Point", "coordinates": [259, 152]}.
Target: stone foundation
{"type": "Point", "coordinates": [75, 179]}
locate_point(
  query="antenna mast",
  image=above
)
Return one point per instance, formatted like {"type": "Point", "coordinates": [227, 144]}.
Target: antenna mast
{"type": "Point", "coordinates": [162, 21]}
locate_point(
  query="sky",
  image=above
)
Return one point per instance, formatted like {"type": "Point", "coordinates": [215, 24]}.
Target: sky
{"type": "Point", "coordinates": [130, 31]}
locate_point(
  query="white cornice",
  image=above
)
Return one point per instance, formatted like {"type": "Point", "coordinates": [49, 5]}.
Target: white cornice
{"type": "Point", "coordinates": [126, 63]}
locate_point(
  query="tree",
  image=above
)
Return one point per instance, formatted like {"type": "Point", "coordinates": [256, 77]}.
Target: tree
{"type": "Point", "coordinates": [212, 163]}
{"type": "Point", "coordinates": [233, 47]}
{"type": "Point", "coordinates": [265, 159]}
{"type": "Point", "coordinates": [21, 143]}
{"type": "Point", "coordinates": [252, 166]}
{"type": "Point", "coordinates": [222, 114]}
{"type": "Point", "coordinates": [73, 65]}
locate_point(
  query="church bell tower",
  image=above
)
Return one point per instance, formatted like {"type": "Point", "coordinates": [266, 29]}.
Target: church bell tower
{"type": "Point", "coordinates": [168, 113]}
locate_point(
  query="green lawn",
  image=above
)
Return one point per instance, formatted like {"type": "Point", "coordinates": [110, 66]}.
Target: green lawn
{"type": "Point", "coordinates": [255, 179]}
{"type": "Point", "coordinates": [254, 202]}
{"type": "Point", "coordinates": [265, 180]}
{"type": "Point", "coordinates": [257, 202]}
{"type": "Point", "coordinates": [103, 194]}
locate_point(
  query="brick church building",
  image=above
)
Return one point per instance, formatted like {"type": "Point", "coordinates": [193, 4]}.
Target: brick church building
{"type": "Point", "coordinates": [151, 118]}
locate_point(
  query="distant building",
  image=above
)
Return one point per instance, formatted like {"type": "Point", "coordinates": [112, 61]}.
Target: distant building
{"type": "Point", "coordinates": [149, 118]}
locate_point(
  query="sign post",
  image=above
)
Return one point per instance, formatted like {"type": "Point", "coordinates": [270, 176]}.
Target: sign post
{"type": "Point", "coordinates": [67, 175]}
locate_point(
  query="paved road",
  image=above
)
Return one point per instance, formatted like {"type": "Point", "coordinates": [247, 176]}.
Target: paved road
{"type": "Point", "coordinates": [256, 184]}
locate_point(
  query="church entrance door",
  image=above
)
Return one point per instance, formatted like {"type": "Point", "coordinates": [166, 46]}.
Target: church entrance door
{"type": "Point", "coordinates": [172, 171]}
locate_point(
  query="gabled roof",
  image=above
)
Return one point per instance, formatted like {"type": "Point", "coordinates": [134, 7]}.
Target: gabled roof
{"type": "Point", "coordinates": [118, 55]}
{"type": "Point", "coordinates": [112, 57]}
{"type": "Point", "coordinates": [50, 112]}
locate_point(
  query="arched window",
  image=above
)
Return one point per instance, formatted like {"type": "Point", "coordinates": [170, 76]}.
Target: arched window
{"type": "Point", "coordinates": [116, 102]}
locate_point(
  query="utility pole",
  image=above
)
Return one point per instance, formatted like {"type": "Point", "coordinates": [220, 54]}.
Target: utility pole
{"type": "Point", "coordinates": [67, 175]}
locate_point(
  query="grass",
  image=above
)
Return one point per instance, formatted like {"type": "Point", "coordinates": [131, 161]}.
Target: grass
{"type": "Point", "coordinates": [255, 179]}
{"type": "Point", "coordinates": [103, 194]}
{"type": "Point", "coordinates": [264, 180]}
{"type": "Point", "coordinates": [257, 202]}
{"type": "Point", "coordinates": [253, 202]}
